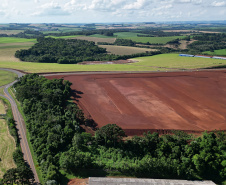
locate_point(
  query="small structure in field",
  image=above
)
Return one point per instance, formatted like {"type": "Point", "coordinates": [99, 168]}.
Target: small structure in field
{"type": "Point", "coordinates": [134, 181]}
{"type": "Point", "coordinates": [186, 55]}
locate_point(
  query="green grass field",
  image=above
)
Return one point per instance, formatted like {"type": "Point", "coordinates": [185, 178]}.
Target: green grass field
{"type": "Point", "coordinates": [126, 34]}
{"type": "Point", "coordinates": [153, 63]}
{"type": "Point", "coordinates": [7, 145]}
{"type": "Point", "coordinates": [177, 62]}
{"type": "Point", "coordinates": [153, 40]}
{"type": "Point", "coordinates": [6, 77]}
{"type": "Point", "coordinates": [220, 52]}
{"type": "Point", "coordinates": [4, 40]}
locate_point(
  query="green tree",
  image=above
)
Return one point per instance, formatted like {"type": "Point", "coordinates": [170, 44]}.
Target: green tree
{"type": "Point", "coordinates": [109, 135]}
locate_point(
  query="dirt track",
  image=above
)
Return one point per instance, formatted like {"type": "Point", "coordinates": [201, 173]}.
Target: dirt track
{"type": "Point", "coordinates": [189, 101]}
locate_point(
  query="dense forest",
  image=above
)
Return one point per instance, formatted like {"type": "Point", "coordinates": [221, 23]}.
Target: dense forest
{"type": "Point", "coordinates": [61, 144]}
{"type": "Point", "coordinates": [71, 51]}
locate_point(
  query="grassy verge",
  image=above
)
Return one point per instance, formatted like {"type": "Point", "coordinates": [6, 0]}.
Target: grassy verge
{"type": "Point", "coordinates": [7, 145]}
{"type": "Point", "coordinates": [2, 91]}
{"type": "Point", "coordinates": [7, 77]}
{"type": "Point", "coordinates": [28, 139]}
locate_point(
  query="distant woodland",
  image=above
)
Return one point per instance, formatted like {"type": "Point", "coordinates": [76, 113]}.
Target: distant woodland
{"type": "Point", "coordinates": [60, 144]}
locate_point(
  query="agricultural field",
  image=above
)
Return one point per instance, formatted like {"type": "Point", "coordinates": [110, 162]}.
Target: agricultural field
{"type": "Point", "coordinates": [174, 61]}
{"type": "Point", "coordinates": [137, 102]}
{"type": "Point", "coordinates": [4, 40]}
{"type": "Point", "coordinates": [220, 52]}
{"type": "Point", "coordinates": [7, 146]}
{"type": "Point", "coordinates": [7, 77]}
{"type": "Point", "coordinates": [163, 62]}
{"type": "Point", "coordinates": [153, 40]}
{"type": "Point", "coordinates": [124, 50]}
{"type": "Point", "coordinates": [123, 35]}
{"type": "Point", "coordinates": [7, 50]}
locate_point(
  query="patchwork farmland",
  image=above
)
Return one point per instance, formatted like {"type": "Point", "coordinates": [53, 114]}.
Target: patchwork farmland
{"type": "Point", "coordinates": [188, 101]}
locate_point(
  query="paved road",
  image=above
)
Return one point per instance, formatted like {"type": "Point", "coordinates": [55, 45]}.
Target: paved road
{"type": "Point", "coordinates": [20, 126]}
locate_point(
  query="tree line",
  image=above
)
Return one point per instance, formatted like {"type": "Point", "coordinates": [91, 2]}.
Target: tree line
{"type": "Point", "coordinates": [60, 143]}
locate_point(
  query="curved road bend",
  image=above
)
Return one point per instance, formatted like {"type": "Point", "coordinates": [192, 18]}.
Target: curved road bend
{"type": "Point", "coordinates": [20, 125]}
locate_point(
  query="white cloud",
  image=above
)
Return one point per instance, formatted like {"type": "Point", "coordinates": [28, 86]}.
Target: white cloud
{"type": "Point", "coordinates": [219, 4]}
{"type": "Point", "coordinates": [50, 9]}
{"type": "Point", "coordinates": [138, 4]}
{"type": "Point", "coordinates": [2, 12]}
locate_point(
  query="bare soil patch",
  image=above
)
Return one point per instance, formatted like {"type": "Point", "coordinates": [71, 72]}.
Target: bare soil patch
{"type": "Point", "coordinates": [77, 181]}
{"type": "Point", "coordinates": [10, 32]}
{"type": "Point", "coordinates": [160, 102]}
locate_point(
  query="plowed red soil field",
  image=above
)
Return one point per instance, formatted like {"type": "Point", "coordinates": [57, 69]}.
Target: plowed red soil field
{"type": "Point", "coordinates": [188, 101]}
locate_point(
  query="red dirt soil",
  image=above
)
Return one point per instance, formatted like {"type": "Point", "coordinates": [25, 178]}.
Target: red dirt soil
{"type": "Point", "coordinates": [78, 181]}
{"type": "Point", "coordinates": [138, 102]}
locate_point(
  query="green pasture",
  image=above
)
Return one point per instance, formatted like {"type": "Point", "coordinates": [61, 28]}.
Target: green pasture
{"type": "Point", "coordinates": [7, 77]}
{"type": "Point", "coordinates": [4, 40]}
{"type": "Point", "coordinates": [101, 36]}
{"type": "Point", "coordinates": [133, 36]}
{"type": "Point", "coordinates": [174, 61]}
{"type": "Point", "coordinates": [220, 52]}
{"type": "Point", "coordinates": [124, 35]}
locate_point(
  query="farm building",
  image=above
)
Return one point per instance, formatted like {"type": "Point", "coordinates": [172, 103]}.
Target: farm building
{"type": "Point", "coordinates": [134, 181]}
{"type": "Point", "coordinates": [186, 55]}
{"type": "Point", "coordinates": [222, 58]}
{"type": "Point", "coordinates": [201, 56]}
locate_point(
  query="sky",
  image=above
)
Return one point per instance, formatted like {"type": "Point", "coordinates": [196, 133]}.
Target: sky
{"type": "Point", "coordinates": [103, 11]}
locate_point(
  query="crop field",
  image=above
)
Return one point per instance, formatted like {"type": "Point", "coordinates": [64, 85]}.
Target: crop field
{"type": "Point", "coordinates": [7, 146]}
{"type": "Point", "coordinates": [220, 52]}
{"type": "Point", "coordinates": [164, 62]}
{"type": "Point", "coordinates": [6, 77]}
{"type": "Point", "coordinates": [174, 61]}
{"type": "Point", "coordinates": [153, 40]}
{"type": "Point", "coordinates": [125, 50]}
{"type": "Point", "coordinates": [138, 102]}
{"type": "Point", "coordinates": [123, 35]}
{"type": "Point", "coordinates": [4, 40]}
{"type": "Point", "coordinates": [7, 50]}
